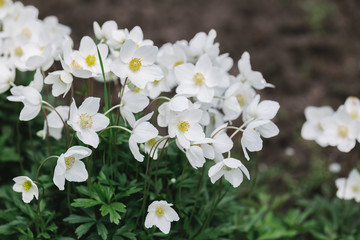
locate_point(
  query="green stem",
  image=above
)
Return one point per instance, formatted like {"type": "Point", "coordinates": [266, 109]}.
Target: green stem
{"type": "Point", "coordinates": [119, 127]}
{"type": "Point", "coordinates": [42, 163]}
{"type": "Point", "coordinates": [181, 182]}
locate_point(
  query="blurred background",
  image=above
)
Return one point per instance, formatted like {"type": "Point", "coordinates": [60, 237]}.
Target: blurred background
{"type": "Point", "coordinates": [309, 49]}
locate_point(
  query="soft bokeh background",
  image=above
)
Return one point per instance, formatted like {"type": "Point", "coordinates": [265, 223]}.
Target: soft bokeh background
{"type": "Point", "coordinates": [309, 49]}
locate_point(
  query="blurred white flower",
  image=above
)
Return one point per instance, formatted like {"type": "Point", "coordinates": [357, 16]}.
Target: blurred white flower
{"type": "Point", "coordinates": [334, 167]}
{"type": "Point", "coordinates": [27, 187]}
{"type": "Point", "coordinates": [312, 128]}
{"type": "Point", "coordinates": [70, 167]}
{"type": "Point", "coordinates": [161, 214]}
{"type": "Point", "coordinates": [349, 188]}
{"type": "Point", "coordinates": [7, 76]}
{"type": "Point", "coordinates": [340, 130]}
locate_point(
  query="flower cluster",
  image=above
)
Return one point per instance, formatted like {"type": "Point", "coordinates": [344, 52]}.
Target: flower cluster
{"type": "Point", "coordinates": [340, 128]}
{"type": "Point", "coordinates": [207, 102]}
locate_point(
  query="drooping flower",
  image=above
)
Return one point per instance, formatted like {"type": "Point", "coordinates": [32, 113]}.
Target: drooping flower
{"type": "Point", "coordinates": [27, 187]}
{"type": "Point", "coordinates": [70, 167]}
{"type": "Point", "coordinates": [255, 78]}
{"type": "Point", "coordinates": [349, 188]}
{"type": "Point", "coordinates": [142, 132]}
{"type": "Point", "coordinates": [231, 168]}
{"type": "Point", "coordinates": [55, 123]}
{"type": "Point", "coordinates": [86, 120]}
{"type": "Point", "coordinates": [131, 103]}
{"type": "Point", "coordinates": [161, 214]}
{"type": "Point", "coordinates": [30, 96]}
{"type": "Point", "coordinates": [61, 81]}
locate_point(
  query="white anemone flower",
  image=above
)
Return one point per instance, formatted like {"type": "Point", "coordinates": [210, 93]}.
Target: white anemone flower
{"type": "Point", "coordinates": [352, 106]}
{"type": "Point", "coordinates": [222, 142]}
{"type": "Point", "coordinates": [251, 138]}
{"type": "Point", "coordinates": [137, 64]}
{"type": "Point", "coordinates": [341, 130]}
{"type": "Point", "coordinates": [185, 127]}
{"type": "Point", "coordinates": [61, 81]}
{"type": "Point", "coordinates": [70, 167]}
{"type": "Point", "coordinates": [27, 187]}
{"type": "Point", "coordinates": [142, 132]}
{"type": "Point", "coordinates": [88, 58]}
{"type": "Point", "coordinates": [349, 188]}
{"type": "Point", "coordinates": [131, 103]}
{"type": "Point", "coordinates": [261, 110]}
{"type": "Point", "coordinates": [150, 146]}
{"type": "Point", "coordinates": [200, 150]}
{"type": "Point", "coordinates": [312, 128]}
{"type": "Point", "coordinates": [231, 168]}
{"type": "Point", "coordinates": [255, 78]}
{"type": "Point", "coordinates": [30, 96]}
{"type": "Point", "coordinates": [86, 120]}
{"type": "Point", "coordinates": [7, 76]}
{"type": "Point", "coordinates": [55, 123]}
{"type": "Point", "coordinates": [161, 214]}
{"type": "Point", "coordinates": [105, 31]}
{"type": "Point", "coordinates": [199, 80]}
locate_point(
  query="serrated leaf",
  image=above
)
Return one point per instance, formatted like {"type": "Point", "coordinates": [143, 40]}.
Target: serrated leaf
{"type": "Point", "coordinates": [112, 211]}
{"type": "Point", "coordinates": [85, 202]}
{"type": "Point", "coordinates": [101, 230]}
{"type": "Point", "coordinates": [120, 207]}
{"type": "Point", "coordinates": [78, 219]}
{"type": "Point", "coordinates": [83, 229]}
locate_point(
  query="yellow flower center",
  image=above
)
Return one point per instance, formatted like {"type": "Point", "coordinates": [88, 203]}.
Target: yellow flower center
{"type": "Point", "coordinates": [90, 60]}
{"type": "Point", "coordinates": [342, 131]}
{"type": "Point", "coordinates": [354, 114]}
{"type": "Point", "coordinates": [198, 78]}
{"type": "Point", "coordinates": [152, 141]}
{"type": "Point", "coordinates": [76, 65]}
{"type": "Point", "coordinates": [354, 188]}
{"type": "Point", "coordinates": [42, 48]}
{"type": "Point", "coordinates": [159, 211]}
{"type": "Point", "coordinates": [178, 63]}
{"type": "Point", "coordinates": [19, 52]}
{"type": "Point", "coordinates": [27, 185]}
{"type": "Point", "coordinates": [26, 32]}
{"type": "Point", "coordinates": [353, 100]}
{"type": "Point", "coordinates": [2, 3]}
{"type": "Point", "coordinates": [135, 64]}
{"type": "Point", "coordinates": [240, 98]}
{"type": "Point", "coordinates": [85, 120]}
{"type": "Point", "coordinates": [183, 126]}
{"type": "Point", "coordinates": [69, 162]}
{"type": "Point", "coordinates": [226, 168]}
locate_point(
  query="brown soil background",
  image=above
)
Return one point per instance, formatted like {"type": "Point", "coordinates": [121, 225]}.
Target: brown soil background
{"type": "Point", "coordinates": [309, 49]}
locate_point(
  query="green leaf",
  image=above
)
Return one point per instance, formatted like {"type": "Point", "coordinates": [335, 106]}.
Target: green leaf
{"type": "Point", "coordinates": [112, 210]}
{"type": "Point", "coordinates": [102, 231]}
{"type": "Point", "coordinates": [85, 202]}
{"type": "Point", "coordinates": [83, 229]}
{"type": "Point", "coordinates": [78, 219]}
